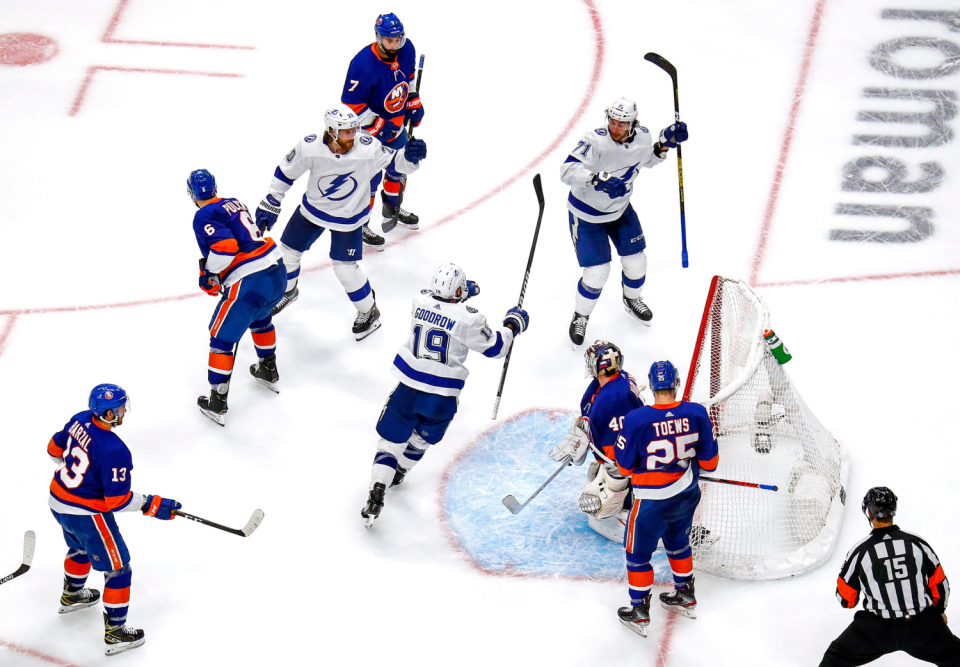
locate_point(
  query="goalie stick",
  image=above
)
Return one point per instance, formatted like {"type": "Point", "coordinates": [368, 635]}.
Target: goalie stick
{"type": "Point", "coordinates": [246, 531]}
{"type": "Point", "coordinates": [538, 188]}
{"type": "Point", "coordinates": [514, 505]}
{"type": "Point", "coordinates": [392, 222]}
{"type": "Point", "coordinates": [665, 65]}
{"type": "Point", "coordinates": [29, 544]}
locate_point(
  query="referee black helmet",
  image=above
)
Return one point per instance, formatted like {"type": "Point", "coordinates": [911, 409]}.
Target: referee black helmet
{"type": "Point", "coordinates": [879, 503]}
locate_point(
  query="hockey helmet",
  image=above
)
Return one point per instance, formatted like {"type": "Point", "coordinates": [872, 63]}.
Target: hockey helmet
{"type": "Point", "coordinates": [388, 25]}
{"type": "Point", "coordinates": [879, 503]}
{"type": "Point", "coordinates": [105, 397]}
{"type": "Point", "coordinates": [201, 185]}
{"type": "Point", "coordinates": [449, 282]}
{"type": "Point", "coordinates": [340, 117]}
{"type": "Point", "coordinates": [663, 376]}
{"type": "Point", "coordinates": [603, 358]}
{"type": "Point", "coordinates": [625, 111]}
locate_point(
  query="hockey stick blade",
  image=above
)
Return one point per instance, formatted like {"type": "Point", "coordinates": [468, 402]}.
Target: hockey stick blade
{"type": "Point", "coordinates": [246, 531]}
{"type": "Point", "coordinates": [29, 545]}
{"type": "Point", "coordinates": [662, 63]}
{"type": "Point", "coordinates": [512, 504]}
{"type": "Point", "coordinates": [515, 508]}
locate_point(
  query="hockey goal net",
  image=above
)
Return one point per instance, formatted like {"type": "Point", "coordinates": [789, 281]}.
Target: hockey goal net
{"type": "Point", "coordinates": [767, 435]}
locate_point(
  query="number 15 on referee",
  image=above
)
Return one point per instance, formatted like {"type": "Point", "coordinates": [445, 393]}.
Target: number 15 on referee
{"type": "Point", "coordinates": [904, 594]}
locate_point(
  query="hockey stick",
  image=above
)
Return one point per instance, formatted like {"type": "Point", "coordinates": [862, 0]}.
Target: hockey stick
{"type": "Point", "coordinates": [392, 222]}
{"type": "Point", "coordinates": [765, 487]}
{"type": "Point", "coordinates": [515, 507]}
{"type": "Point", "coordinates": [246, 531]}
{"type": "Point", "coordinates": [538, 188]}
{"type": "Point", "coordinates": [29, 544]}
{"type": "Point", "coordinates": [665, 65]}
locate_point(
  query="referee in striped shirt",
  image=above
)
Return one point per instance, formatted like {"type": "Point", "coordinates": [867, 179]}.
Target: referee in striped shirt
{"type": "Point", "coordinates": [904, 595]}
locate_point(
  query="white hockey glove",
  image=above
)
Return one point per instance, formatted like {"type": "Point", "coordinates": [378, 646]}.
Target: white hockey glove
{"type": "Point", "coordinates": [604, 496]}
{"type": "Point", "coordinates": [575, 444]}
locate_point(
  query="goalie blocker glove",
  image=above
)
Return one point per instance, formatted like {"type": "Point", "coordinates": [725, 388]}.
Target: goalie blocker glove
{"type": "Point", "coordinates": [575, 444]}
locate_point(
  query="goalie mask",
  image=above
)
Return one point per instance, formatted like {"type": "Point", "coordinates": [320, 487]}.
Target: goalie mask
{"type": "Point", "coordinates": [602, 358]}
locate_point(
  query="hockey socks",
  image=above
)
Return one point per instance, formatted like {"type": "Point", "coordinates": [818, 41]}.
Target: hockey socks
{"type": "Point", "coordinates": [264, 337]}
{"type": "Point", "coordinates": [355, 284]}
{"type": "Point", "coordinates": [639, 577]}
{"type": "Point", "coordinates": [220, 366]}
{"type": "Point", "coordinates": [116, 594]}
{"type": "Point", "coordinates": [76, 569]}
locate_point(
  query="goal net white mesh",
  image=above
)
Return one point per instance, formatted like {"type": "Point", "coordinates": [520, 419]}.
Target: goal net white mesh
{"type": "Point", "coordinates": [766, 435]}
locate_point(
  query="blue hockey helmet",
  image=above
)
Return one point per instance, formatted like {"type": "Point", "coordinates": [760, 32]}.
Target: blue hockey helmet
{"type": "Point", "coordinates": [663, 376]}
{"type": "Point", "coordinates": [603, 358]}
{"type": "Point", "coordinates": [388, 25]}
{"type": "Point", "coordinates": [108, 397]}
{"type": "Point", "coordinates": [201, 185]}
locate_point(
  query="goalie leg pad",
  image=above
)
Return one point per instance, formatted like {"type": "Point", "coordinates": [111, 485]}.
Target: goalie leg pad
{"type": "Point", "coordinates": [604, 496]}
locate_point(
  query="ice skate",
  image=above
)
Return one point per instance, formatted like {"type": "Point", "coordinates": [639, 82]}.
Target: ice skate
{"type": "Point", "coordinates": [637, 618]}
{"type": "Point", "coordinates": [214, 407]}
{"type": "Point", "coordinates": [398, 476]}
{"type": "Point", "coordinates": [578, 328]}
{"type": "Point", "coordinates": [681, 601]}
{"type": "Point", "coordinates": [120, 638]}
{"type": "Point", "coordinates": [288, 298]}
{"type": "Point", "coordinates": [638, 309]}
{"type": "Point", "coordinates": [374, 504]}
{"type": "Point", "coordinates": [405, 219]}
{"type": "Point", "coordinates": [265, 372]}
{"type": "Point", "coordinates": [366, 323]}
{"type": "Point", "coordinates": [72, 601]}
{"type": "Point", "coordinates": [371, 239]}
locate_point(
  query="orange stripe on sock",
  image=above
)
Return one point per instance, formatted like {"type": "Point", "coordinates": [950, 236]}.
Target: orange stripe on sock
{"type": "Point", "coordinates": [640, 579]}
{"type": "Point", "coordinates": [683, 567]}
{"type": "Point", "coordinates": [265, 339]}
{"type": "Point", "coordinates": [116, 595]}
{"type": "Point", "coordinates": [75, 569]}
{"type": "Point", "coordinates": [221, 362]}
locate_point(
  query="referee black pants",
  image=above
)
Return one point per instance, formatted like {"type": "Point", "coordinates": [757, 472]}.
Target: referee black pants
{"type": "Point", "coordinates": [925, 637]}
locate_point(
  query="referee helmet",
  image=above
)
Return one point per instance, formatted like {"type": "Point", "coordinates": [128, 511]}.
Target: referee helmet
{"type": "Point", "coordinates": [879, 503]}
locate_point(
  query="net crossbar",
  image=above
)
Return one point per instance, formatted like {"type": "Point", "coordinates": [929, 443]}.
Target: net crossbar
{"type": "Point", "coordinates": [766, 435]}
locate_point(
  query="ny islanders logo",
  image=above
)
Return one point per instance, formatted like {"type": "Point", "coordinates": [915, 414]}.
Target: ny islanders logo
{"type": "Point", "coordinates": [337, 187]}
{"type": "Point", "coordinates": [396, 99]}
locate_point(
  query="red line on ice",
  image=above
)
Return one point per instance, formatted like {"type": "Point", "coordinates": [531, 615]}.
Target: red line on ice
{"type": "Point", "coordinates": [36, 654]}
{"type": "Point", "coordinates": [787, 140]}
{"type": "Point", "coordinates": [108, 37]}
{"type": "Point", "coordinates": [853, 279]}
{"type": "Point", "coordinates": [93, 69]}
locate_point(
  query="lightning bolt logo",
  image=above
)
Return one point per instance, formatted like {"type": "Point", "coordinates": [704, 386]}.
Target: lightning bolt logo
{"type": "Point", "coordinates": [331, 185]}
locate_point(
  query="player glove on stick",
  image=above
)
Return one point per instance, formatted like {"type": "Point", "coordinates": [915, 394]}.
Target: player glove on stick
{"type": "Point", "coordinates": [415, 151]}
{"type": "Point", "coordinates": [162, 508]}
{"type": "Point", "coordinates": [473, 289]}
{"type": "Point", "coordinates": [209, 281]}
{"type": "Point", "coordinates": [674, 134]}
{"type": "Point", "coordinates": [517, 320]}
{"type": "Point", "coordinates": [414, 113]}
{"type": "Point", "coordinates": [575, 444]}
{"type": "Point", "coordinates": [267, 213]}
{"type": "Point", "coordinates": [613, 186]}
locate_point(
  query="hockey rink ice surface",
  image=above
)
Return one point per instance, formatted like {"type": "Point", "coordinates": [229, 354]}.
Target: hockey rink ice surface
{"type": "Point", "coordinates": [792, 182]}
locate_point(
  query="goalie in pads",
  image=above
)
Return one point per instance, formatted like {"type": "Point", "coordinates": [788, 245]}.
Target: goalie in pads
{"type": "Point", "coordinates": [612, 394]}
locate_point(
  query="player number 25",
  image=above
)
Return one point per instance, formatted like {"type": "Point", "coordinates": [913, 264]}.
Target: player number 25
{"type": "Point", "coordinates": [671, 452]}
{"type": "Point", "coordinates": [72, 477]}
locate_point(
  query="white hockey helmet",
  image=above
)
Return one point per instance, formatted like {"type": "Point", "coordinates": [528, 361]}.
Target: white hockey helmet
{"type": "Point", "coordinates": [625, 111]}
{"type": "Point", "coordinates": [449, 282]}
{"type": "Point", "coordinates": [340, 117]}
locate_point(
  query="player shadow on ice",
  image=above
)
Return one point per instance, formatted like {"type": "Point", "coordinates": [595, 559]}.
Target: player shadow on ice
{"type": "Point", "coordinates": [551, 537]}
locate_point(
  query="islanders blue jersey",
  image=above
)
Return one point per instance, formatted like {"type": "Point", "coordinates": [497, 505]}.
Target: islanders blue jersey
{"type": "Point", "coordinates": [659, 444]}
{"type": "Point", "coordinates": [94, 472]}
{"type": "Point", "coordinates": [231, 241]}
{"type": "Point", "coordinates": [377, 89]}
{"type": "Point", "coordinates": [607, 406]}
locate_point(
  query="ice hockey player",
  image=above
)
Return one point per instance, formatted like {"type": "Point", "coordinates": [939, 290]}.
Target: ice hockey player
{"type": "Point", "coordinates": [90, 485]}
{"type": "Point", "coordinates": [378, 89]}
{"type": "Point", "coordinates": [342, 166]}
{"type": "Point", "coordinates": [662, 448]}
{"type": "Point", "coordinates": [612, 394]}
{"type": "Point", "coordinates": [600, 172]}
{"type": "Point", "coordinates": [247, 269]}
{"type": "Point", "coordinates": [430, 370]}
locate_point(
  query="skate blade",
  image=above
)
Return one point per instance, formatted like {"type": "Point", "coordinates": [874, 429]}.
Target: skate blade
{"type": "Point", "coordinates": [368, 521]}
{"type": "Point", "coordinates": [634, 316]}
{"type": "Point", "coordinates": [636, 627]}
{"type": "Point", "coordinates": [219, 419]}
{"type": "Point", "coordinates": [375, 248]}
{"type": "Point", "coordinates": [272, 386]}
{"type": "Point", "coordinates": [69, 609]}
{"type": "Point", "coordinates": [687, 612]}
{"type": "Point", "coordinates": [114, 649]}
{"type": "Point", "coordinates": [388, 225]}
{"type": "Point", "coordinates": [361, 336]}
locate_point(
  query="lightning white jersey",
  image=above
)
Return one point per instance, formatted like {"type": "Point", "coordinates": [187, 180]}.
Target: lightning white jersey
{"type": "Point", "coordinates": [338, 194]}
{"type": "Point", "coordinates": [597, 152]}
{"type": "Point", "coordinates": [441, 334]}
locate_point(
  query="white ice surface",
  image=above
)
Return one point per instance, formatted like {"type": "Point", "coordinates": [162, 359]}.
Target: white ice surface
{"type": "Point", "coordinates": [94, 212]}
